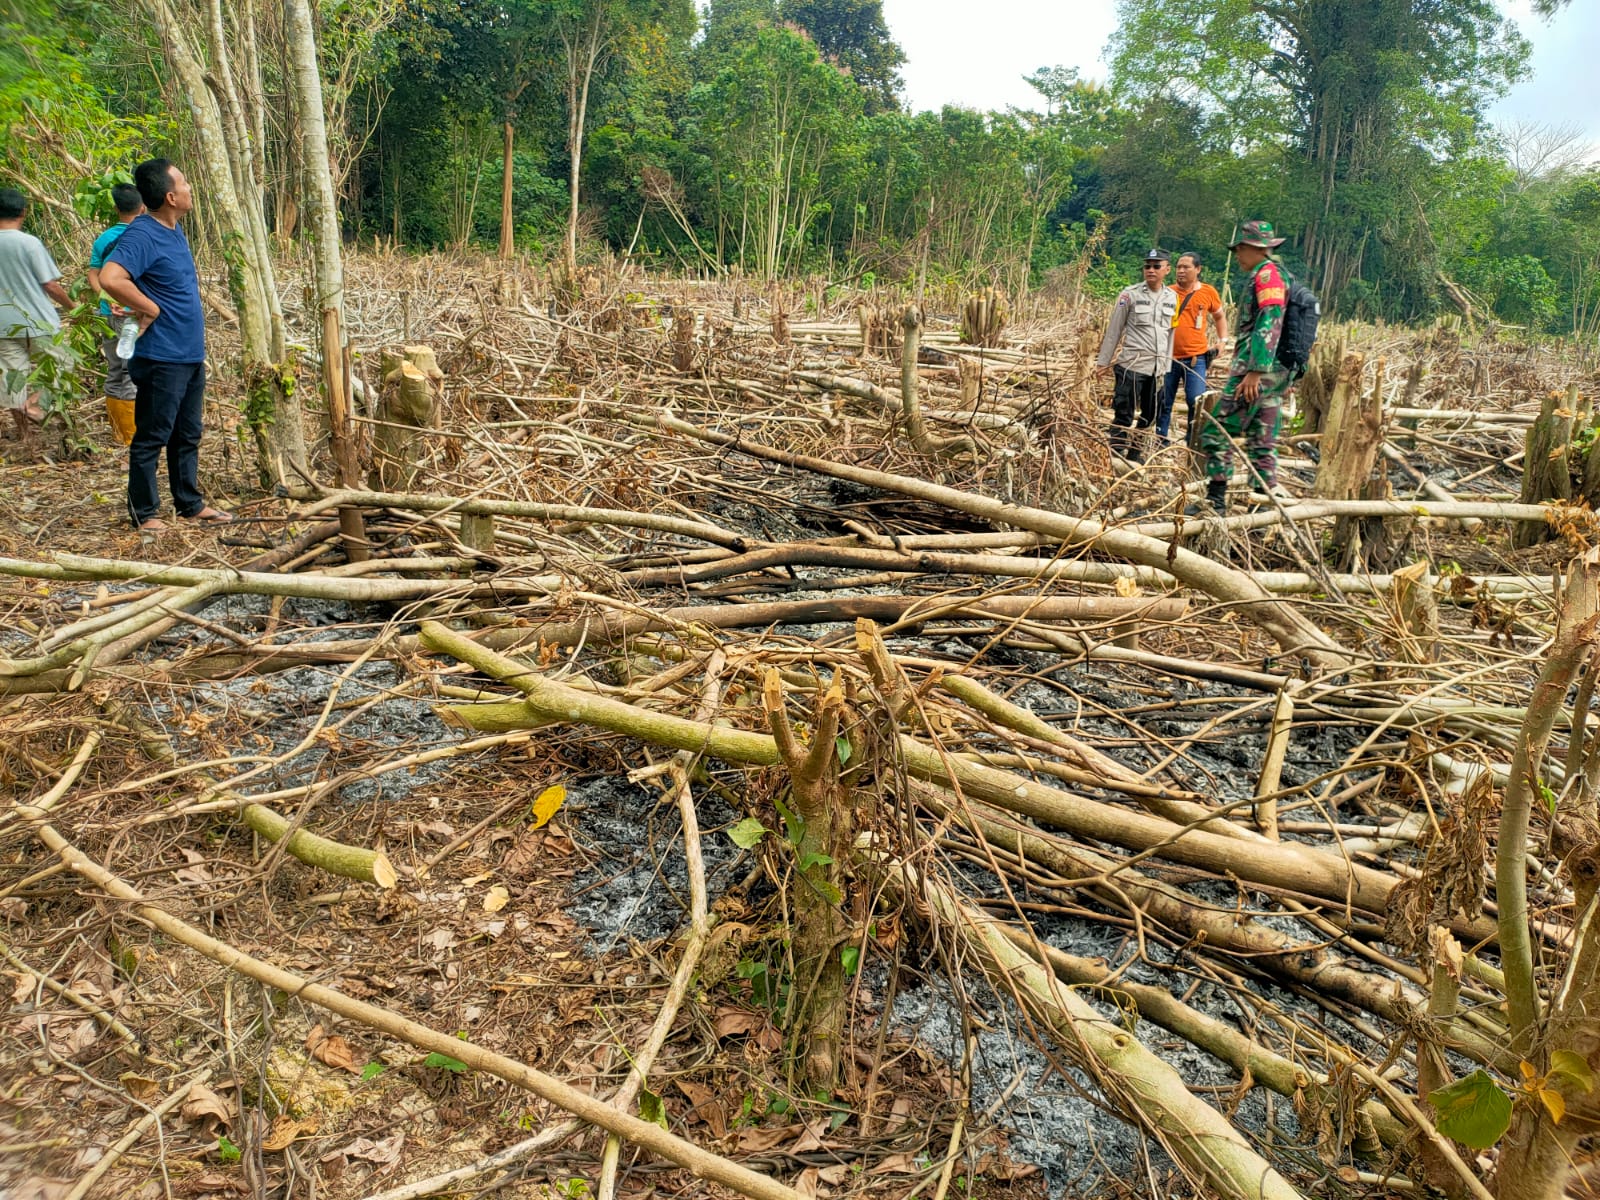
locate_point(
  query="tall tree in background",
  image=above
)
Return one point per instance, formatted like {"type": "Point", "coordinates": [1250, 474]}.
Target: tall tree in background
{"type": "Point", "coordinates": [1363, 96]}
{"type": "Point", "coordinates": [589, 33]}
{"type": "Point", "coordinates": [231, 173]}
{"type": "Point", "coordinates": [328, 258]}
{"type": "Point", "coordinates": [853, 34]}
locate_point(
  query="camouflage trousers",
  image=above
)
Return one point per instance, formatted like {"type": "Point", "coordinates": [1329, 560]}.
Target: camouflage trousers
{"type": "Point", "coordinates": [1257, 424]}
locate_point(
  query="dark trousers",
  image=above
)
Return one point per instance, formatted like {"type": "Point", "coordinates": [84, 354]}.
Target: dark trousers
{"type": "Point", "coordinates": [1191, 372]}
{"type": "Point", "coordinates": [168, 405]}
{"type": "Point", "coordinates": [1135, 393]}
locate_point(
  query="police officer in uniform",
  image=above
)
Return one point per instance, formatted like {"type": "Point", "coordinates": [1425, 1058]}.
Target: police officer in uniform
{"type": "Point", "coordinates": [1138, 348]}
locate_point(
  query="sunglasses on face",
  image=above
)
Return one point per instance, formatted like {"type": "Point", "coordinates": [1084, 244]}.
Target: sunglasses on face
{"type": "Point", "coordinates": [1154, 266]}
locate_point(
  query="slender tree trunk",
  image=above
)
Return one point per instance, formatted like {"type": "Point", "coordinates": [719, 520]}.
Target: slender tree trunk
{"type": "Point", "coordinates": [508, 236]}
{"type": "Point", "coordinates": [323, 206]}
{"type": "Point", "coordinates": [272, 405]}
{"type": "Point", "coordinates": [581, 61]}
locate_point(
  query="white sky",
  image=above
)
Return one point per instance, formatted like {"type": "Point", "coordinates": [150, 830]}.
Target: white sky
{"type": "Point", "coordinates": [957, 54]}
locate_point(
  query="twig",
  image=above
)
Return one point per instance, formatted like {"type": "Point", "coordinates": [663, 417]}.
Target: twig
{"type": "Point", "coordinates": [120, 1147]}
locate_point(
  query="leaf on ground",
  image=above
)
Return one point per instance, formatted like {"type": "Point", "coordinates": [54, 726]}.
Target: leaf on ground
{"type": "Point", "coordinates": [496, 898]}
{"type": "Point", "coordinates": [730, 1022]}
{"type": "Point", "coordinates": [759, 1140]}
{"type": "Point", "coordinates": [139, 1087]}
{"type": "Point", "coordinates": [896, 1164]}
{"type": "Point", "coordinates": [548, 804]}
{"type": "Point", "coordinates": [385, 1153]}
{"type": "Point", "coordinates": [207, 1109]}
{"type": "Point", "coordinates": [443, 1062]}
{"type": "Point", "coordinates": [285, 1130]}
{"type": "Point", "coordinates": [1473, 1111]}
{"type": "Point", "coordinates": [811, 1138]}
{"type": "Point", "coordinates": [332, 1050]}
{"type": "Point", "coordinates": [704, 1106]}
{"type": "Point", "coordinates": [806, 1185]}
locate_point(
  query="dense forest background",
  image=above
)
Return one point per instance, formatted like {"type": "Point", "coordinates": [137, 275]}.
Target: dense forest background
{"type": "Point", "coordinates": [770, 137]}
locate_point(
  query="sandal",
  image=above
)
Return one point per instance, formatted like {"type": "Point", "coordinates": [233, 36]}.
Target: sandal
{"type": "Point", "coordinates": [153, 525]}
{"type": "Point", "coordinates": [210, 516]}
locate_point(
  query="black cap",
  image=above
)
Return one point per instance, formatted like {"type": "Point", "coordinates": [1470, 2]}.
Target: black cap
{"type": "Point", "coordinates": [1156, 254]}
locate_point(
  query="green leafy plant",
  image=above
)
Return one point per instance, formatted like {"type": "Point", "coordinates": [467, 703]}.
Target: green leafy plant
{"type": "Point", "coordinates": [747, 834]}
{"type": "Point", "coordinates": [227, 1151]}
{"type": "Point", "coordinates": [444, 1062]}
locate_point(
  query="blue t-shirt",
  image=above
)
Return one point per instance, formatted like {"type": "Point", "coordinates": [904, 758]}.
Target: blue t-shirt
{"type": "Point", "coordinates": [161, 266]}
{"type": "Point", "coordinates": [97, 256]}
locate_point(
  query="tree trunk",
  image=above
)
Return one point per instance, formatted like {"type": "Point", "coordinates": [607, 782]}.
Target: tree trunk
{"type": "Point", "coordinates": [323, 207]}
{"type": "Point", "coordinates": [583, 53]}
{"type": "Point", "coordinates": [271, 406]}
{"type": "Point", "coordinates": [508, 237]}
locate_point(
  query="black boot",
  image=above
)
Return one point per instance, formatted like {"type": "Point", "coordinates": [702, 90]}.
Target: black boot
{"type": "Point", "coordinates": [1214, 505]}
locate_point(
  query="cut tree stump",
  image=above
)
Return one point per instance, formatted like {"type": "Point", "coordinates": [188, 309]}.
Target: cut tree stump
{"type": "Point", "coordinates": [984, 318]}
{"type": "Point", "coordinates": [1547, 463]}
{"type": "Point", "coordinates": [406, 408]}
{"type": "Point", "coordinates": [1351, 439]}
{"type": "Point", "coordinates": [1416, 612]}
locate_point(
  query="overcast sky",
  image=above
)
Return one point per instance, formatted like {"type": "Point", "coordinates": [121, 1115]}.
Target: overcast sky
{"type": "Point", "coordinates": [977, 57]}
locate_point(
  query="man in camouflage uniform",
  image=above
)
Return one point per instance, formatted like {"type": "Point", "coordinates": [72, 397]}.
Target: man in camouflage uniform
{"type": "Point", "coordinates": [1251, 402]}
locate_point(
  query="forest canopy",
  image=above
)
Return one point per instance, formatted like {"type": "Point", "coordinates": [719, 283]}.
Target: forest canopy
{"type": "Point", "coordinates": [772, 137]}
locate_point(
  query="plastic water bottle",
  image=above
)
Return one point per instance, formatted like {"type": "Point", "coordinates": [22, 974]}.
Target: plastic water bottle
{"type": "Point", "coordinates": [126, 339]}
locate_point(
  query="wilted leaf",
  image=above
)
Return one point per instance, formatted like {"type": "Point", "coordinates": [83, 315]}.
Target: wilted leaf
{"type": "Point", "coordinates": [206, 1107]}
{"type": "Point", "coordinates": [496, 898]}
{"type": "Point", "coordinates": [759, 1141]}
{"type": "Point", "coordinates": [732, 1021]}
{"type": "Point", "coordinates": [704, 1106]}
{"type": "Point", "coordinates": [1473, 1111]}
{"type": "Point", "coordinates": [385, 1152]}
{"type": "Point", "coordinates": [548, 804]}
{"type": "Point", "coordinates": [332, 1050]}
{"type": "Point", "coordinates": [1554, 1103]}
{"type": "Point", "coordinates": [810, 1138]}
{"type": "Point", "coordinates": [747, 834]}
{"type": "Point", "coordinates": [139, 1087]}
{"type": "Point", "coordinates": [284, 1131]}
{"type": "Point", "coordinates": [896, 1164]}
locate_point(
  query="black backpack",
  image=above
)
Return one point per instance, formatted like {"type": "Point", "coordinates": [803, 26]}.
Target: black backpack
{"type": "Point", "coordinates": [1302, 313]}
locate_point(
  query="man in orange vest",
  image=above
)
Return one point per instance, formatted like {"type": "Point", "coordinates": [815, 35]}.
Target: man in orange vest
{"type": "Point", "coordinates": [1191, 350]}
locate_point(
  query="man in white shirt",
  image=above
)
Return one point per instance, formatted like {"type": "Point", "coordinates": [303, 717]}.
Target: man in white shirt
{"type": "Point", "coordinates": [30, 289]}
{"type": "Point", "coordinates": [1138, 346]}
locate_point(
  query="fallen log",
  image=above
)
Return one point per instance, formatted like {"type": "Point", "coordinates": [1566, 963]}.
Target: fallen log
{"type": "Point", "coordinates": [1292, 631]}
{"type": "Point", "coordinates": [1291, 866]}
{"type": "Point", "coordinates": [1143, 1086]}
{"type": "Point", "coordinates": [593, 1109]}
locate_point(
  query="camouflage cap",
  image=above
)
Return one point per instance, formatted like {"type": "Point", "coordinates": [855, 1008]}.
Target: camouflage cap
{"type": "Point", "coordinates": [1257, 233]}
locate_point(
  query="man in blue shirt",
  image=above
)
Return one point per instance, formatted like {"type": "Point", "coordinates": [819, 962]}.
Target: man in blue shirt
{"type": "Point", "coordinates": [151, 271]}
{"type": "Point", "coordinates": [120, 392]}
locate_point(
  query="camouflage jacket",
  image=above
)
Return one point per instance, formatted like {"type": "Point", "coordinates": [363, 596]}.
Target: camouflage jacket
{"type": "Point", "coordinates": [1260, 319]}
